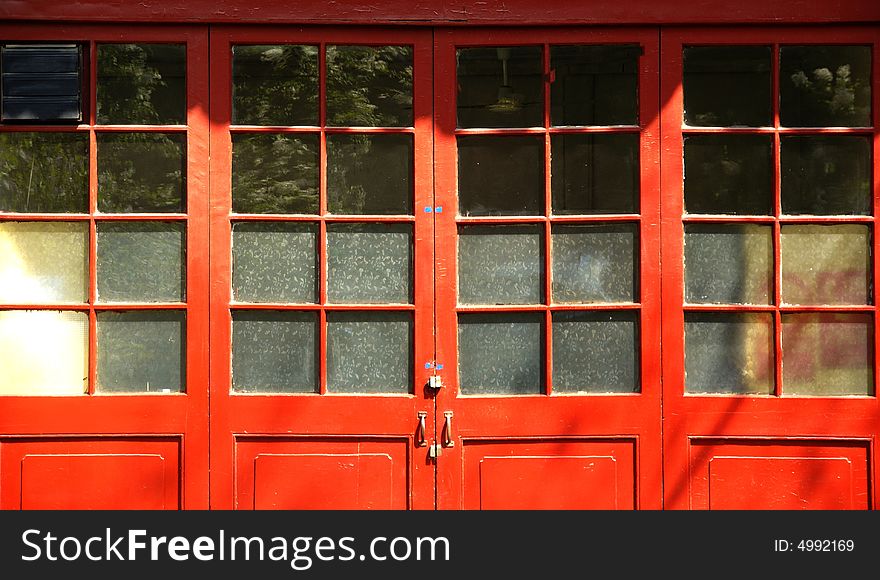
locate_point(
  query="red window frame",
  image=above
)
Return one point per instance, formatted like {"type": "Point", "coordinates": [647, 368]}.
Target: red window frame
{"type": "Point", "coordinates": [691, 419]}
{"type": "Point", "coordinates": [178, 417]}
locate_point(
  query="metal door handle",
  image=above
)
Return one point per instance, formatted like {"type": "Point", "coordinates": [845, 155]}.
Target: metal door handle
{"type": "Point", "coordinates": [420, 431]}
{"type": "Point", "coordinates": [448, 440]}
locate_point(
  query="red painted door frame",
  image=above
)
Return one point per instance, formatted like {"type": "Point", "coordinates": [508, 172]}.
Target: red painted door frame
{"type": "Point", "coordinates": [168, 431]}
{"type": "Point", "coordinates": [700, 429]}
{"type": "Point", "coordinates": [620, 428]}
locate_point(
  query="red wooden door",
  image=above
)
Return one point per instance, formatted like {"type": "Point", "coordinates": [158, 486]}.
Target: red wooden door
{"type": "Point", "coordinates": [103, 253]}
{"type": "Point", "coordinates": [322, 277]}
{"type": "Point", "coordinates": [770, 254]}
{"type": "Point", "coordinates": [547, 268]}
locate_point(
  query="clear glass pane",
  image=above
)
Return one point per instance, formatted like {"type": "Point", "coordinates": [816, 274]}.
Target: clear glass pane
{"type": "Point", "coordinates": [142, 84]}
{"type": "Point", "coordinates": [595, 85]}
{"type": "Point", "coordinates": [500, 265]}
{"type": "Point", "coordinates": [274, 262]}
{"type": "Point", "coordinates": [274, 173]}
{"type": "Point", "coordinates": [596, 173]}
{"type": "Point", "coordinates": [826, 264]}
{"type": "Point", "coordinates": [595, 352]}
{"type": "Point", "coordinates": [501, 175]}
{"type": "Point", "coordinates": [826, 175]}
{"type": "Point", "coordinates": [274, 352]}
{"type": "Point", "coordinates": [728, 174]}
{"type": "Point", "coordinates": [369, 174]}
{"type": "Point", "coordinates": [44, 172]}
{"type": "Point", "coordinates": [275, 85]}
{"type": "Point", "coordinates": [369, 263]}
{"type": "Point", "coordinates": [728, 263]}
{"type": "Point", "coordinates": [141, 261]}
{"type": "Point", "coordinates": [501, 353]}
{"type": "Point", "coordinates": [44, 352]}
{"type": "Point", "coordinates": [141, 172]}
{"type": "Point", "coordinates": [141, 351]}
{"type": "Point", "coordinates": [825, 86]}
{"type": "Point", "coordinates": [595, 263]}
{"type": "Point", "coordinates": [369, 352]}
{"type": "Point", "coordinates": [828, 354]}
{"type": "Point", "coordinates": [369, 86]}
{"type": "Point", "coordinates": [727, 86]}
{"type": "Point", "coordinates": [44, 262]}
{"type": "Point", "coordinates": [500, 87]}
{"type": "Point", "coordinates": [729, 353]}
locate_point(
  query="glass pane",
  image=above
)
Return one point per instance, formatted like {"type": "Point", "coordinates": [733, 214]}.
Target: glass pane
{"type": "Point", "coordinates": [595, 173]}
{"type": "Point", "coordinates": [274, 262]}
{"type": "Point", "coordinates": [500, 265]}
{"type": "Point", "coordinates": [595, 263]}
{"type": "Point", "coordinates": [826, 175]}
{"type": "Point", "coordinates": [595, 352]}
{"type": "Point", "coordinates": [825, 86]}
{"type": "Point", "coordinates": [501, 353]}
{"type": "Point", "coordinates": [728, 263]}
{"type": "Point", "coordinates": [369, 174]}
{"type": "Point", "coordinates": [595, 85]}
{"type": "Point", "coordinates": [275, 85]}
{"type": "Point", "coordinates": [827, 354]}
{"type": "Point", "coordinates": [500, 87]}
{"type": "Point", "coordinates": [729, 352]}
{"type": "Point", "coordinates": [44, 352]}
{"type": "Point", "coordinates": [44, 172]}
{"type": "Point", "coordinates": [141, 261]}
{"type": "Point", "coordinates": [728, 174]}
{"type": "Point", "coordinates": [44, 262]}
{"type": "Point", "coordinates": [826, 264]}
{"type": "Point", "coordinates": [369, 352]}
{"type": "Point", "coordinates": [369, 263]}
{"type": "Point", "coordinates": [142, 84]}
{"type": "Point", "coordinates": [500, 175]}
{"type": "Point", "coordinates": [274, 352]}
{"type": "Point", "coordinates": [369, 86]}
{"type": "Point", "coordinates": [275, 173]}
{"type": "Point", "coordinates": [141, 172]}
{"type": "Point", "coordinates": [727, 86]}
{"type": "Point", "coordinates": [141, 351]}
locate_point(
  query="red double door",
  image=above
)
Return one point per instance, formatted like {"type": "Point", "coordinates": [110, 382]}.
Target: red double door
{"type": "Point", "coordinates": [423, 271]}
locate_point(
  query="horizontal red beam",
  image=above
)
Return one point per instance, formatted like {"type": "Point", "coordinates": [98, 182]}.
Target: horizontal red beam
{"type": "Point", "coordinates": [463, 12]}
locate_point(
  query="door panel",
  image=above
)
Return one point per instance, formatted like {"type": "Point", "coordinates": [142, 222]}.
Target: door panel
{"type": "Point", "coordinates": [547, 269]}
{"type": "Point", "coordinates": [322, 279]}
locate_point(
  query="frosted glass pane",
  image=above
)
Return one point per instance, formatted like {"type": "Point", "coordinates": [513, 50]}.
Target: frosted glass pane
{"type": "Point", "coordinates": [275, 173]}
{"type": "Point", "coordinates": [274, 352]}
{"type": "Point", "coordinates": [141, 172]}
{"type": "Point", "coordinates": [595, 263]}
{"type": "Point", "coordinates": [730, 353]}
{"type": "Point", "coordinates": [369, 86]}
{"type": "Point", "coordinates": [369, 263]}
{"type": "Point", "coordinates": [501, 353]}
{"type": "Point", "coordinates": [826, 264]}
{"type": "Point", "coordinates": [827, 354]}
{"type": "Point", "coordinates": [44, 352]}
{"type": "Point", "coordinates": [274, 262]}
{"type": "Point", "coordinates": [369, 174]}
{"type": "Point", "coordinates": [43, 262]}
{"type": "Point", "coordinates": [728, 264]}
{"type": "Point", "coordinates": [275, 84]}
{"type": "Point", "coordinates": [500, 265]}
{"type": "Point", "coordinates": [141, 261]}
{"type": "Point", "coordinates": [141, 351]}
{"type": "Point", "coordinates": [595, 352]}
{"type": "Point", "coordinates": [44, 172]}
{"type": "Point", "coordinates": [369, 352]}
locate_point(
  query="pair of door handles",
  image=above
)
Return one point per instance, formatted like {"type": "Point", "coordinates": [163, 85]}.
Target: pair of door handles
{"type": "Point", "coordinates": [446, 438]}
